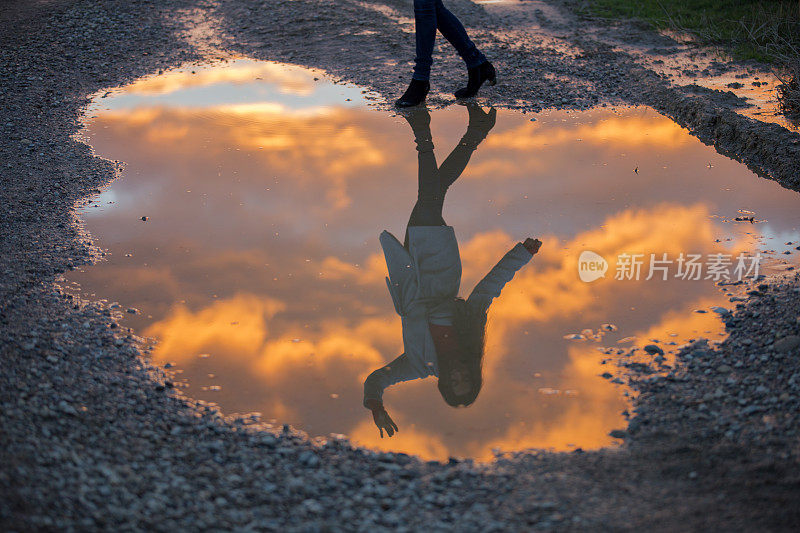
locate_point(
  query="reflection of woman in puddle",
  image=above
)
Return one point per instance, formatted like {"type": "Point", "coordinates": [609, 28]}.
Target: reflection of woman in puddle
{"type": "Point", "coordinates": [443, 335]}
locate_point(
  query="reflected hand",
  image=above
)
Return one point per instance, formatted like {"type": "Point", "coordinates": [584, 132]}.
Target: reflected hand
{"type": "Point", "coordinates": [480, 120]}
{"type": "Point", "coordinates": [532, 245]}
{"type": "Point", "coordinates": [384, 421]}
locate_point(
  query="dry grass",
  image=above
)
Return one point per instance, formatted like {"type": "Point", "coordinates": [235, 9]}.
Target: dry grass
{"type": "Point", "coordinates": [776, 32]}
{"type": "Point", "coordinates": [789, 94]}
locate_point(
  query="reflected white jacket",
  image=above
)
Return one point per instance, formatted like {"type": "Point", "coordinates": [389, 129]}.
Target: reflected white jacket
{"type": "Point", "coordinates": [424, 282]}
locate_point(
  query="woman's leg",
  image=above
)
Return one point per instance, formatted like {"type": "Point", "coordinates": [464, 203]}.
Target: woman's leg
{"type": "Point", "coordinates": [425, 34]}
{"type": "Point", "coordinates": [452, 29]}
{"type": "Point", "coordinates": [430, 15]}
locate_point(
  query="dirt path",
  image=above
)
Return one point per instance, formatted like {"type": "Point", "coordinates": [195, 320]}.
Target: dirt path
{"type": "Point", "coordinates": [93, 438]}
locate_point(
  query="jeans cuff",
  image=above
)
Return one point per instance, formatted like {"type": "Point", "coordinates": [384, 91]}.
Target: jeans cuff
{"type": "Point", "coordinates": [424, 145]}
{"type": "Point", "coordinates": [473, 136]}
{"type": "Point", "coordinates": [479, 60]}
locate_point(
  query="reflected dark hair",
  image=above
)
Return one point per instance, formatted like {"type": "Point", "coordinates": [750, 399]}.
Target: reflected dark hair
{"type": "Point", "coordinates": [469, 322]}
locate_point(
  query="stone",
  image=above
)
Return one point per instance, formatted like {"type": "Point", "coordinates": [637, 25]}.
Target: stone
{"type": "Point", "coordinates": [66, 408]}
{"type": "Point", "coordinates": [787, 343]}
{"type": "Point", "coordinates": [309, 458]}
{"type": "Point", "coordinates": [653, 349]}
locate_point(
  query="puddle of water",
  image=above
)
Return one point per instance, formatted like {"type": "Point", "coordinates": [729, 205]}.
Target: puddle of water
{"type": "Point", "coordinates": [259, 269]}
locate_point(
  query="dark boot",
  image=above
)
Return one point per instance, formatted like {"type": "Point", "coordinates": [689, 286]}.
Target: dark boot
{"type": "Point", "coordinates": [477, 75]}
{"type": "Point", "coordinates": [415, 94]}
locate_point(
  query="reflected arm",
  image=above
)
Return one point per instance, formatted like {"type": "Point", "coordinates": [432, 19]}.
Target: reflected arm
{"type": "Point", "coordinates": [395, 372]}
{"type": "Point", "coordinates": [490, 286]}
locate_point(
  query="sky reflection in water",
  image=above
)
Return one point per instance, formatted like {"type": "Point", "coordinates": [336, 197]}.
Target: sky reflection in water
{"type": "Point", "coordinates": [260, 272]}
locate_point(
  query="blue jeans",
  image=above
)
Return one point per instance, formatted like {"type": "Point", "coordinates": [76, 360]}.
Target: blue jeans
{"type": "Point", "coordinates": [430, 15]}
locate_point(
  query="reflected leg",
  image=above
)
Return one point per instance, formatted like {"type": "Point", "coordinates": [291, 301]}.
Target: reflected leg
{"type": "Point", "coordinates": [480, 124]}
{"type": "Point", "coordinates": [430, 193]}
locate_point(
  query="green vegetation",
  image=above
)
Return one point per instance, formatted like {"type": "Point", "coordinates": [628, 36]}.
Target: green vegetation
{"type": "Point", "coordinates": [742, 27]}
{"type": "Point", "coordinates": [764, 30]}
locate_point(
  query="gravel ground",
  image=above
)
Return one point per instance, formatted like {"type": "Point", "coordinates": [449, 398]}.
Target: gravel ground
{"type": "Point", "coordinates": [94, 438]}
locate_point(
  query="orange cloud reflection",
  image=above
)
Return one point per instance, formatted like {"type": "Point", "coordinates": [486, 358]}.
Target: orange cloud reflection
{"type": "Point", "coordinates": [294, 80]}
{"type": "Point", "coordinates": [611, 130]}
{"type": "Point", "coordinates": [237, 325]}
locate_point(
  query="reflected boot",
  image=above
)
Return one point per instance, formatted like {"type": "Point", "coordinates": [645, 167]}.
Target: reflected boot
{"type": "Point", "coordinates": [477, 76]}
{"type": "Point", "coordinates": [420, 121]}
{"type": "Point", "coordinates": [480, 124]}
{"type": "Point", "coordinates": [480, 121]}
{"type": "Point", "coordinates": [415, 94]}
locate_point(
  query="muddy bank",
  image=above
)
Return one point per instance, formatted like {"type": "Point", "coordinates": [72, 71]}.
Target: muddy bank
{"type": "Point", "coordinates": [94, 438]}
